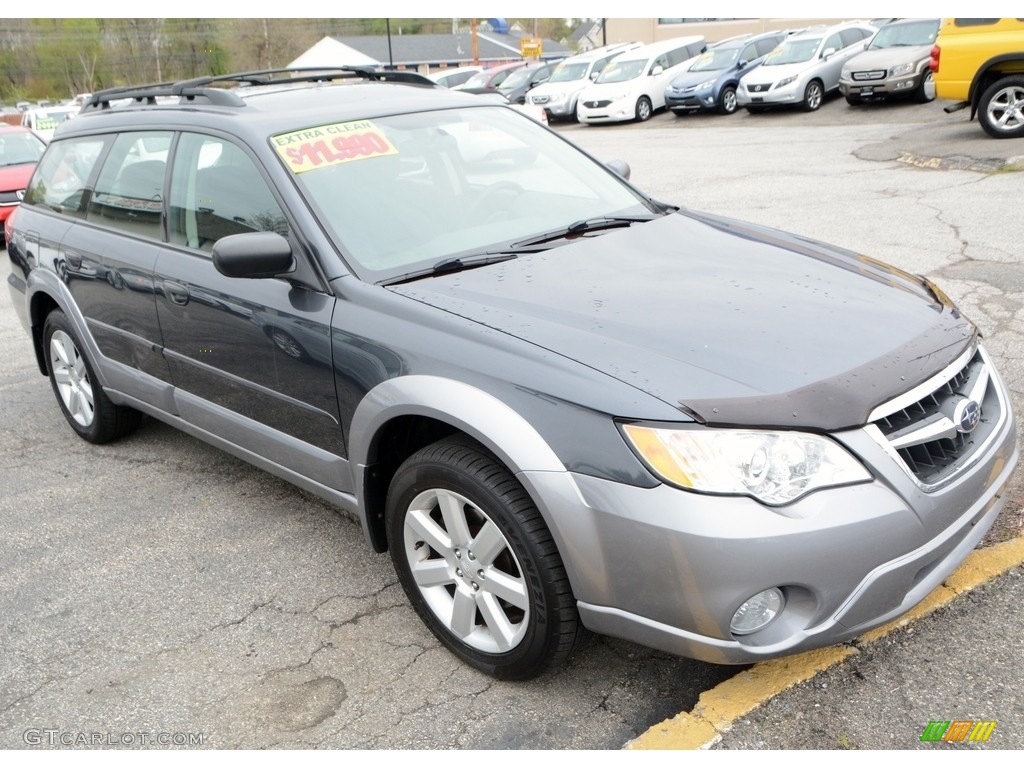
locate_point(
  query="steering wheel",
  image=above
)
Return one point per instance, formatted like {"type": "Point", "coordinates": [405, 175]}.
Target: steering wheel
{"type": "Point", "coordinates": [488, 204]}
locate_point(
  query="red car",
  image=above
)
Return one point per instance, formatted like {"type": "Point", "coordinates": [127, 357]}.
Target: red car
{"type": "Point", "coordinates": [20, 150]}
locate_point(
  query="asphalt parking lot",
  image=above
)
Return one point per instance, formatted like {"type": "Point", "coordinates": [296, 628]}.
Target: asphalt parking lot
{"type": "Point", "coordinates": [156, 586]}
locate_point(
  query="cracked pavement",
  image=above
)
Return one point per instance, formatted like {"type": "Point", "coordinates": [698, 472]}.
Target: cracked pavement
{"type": "Point", "coordinates": [156, 584]}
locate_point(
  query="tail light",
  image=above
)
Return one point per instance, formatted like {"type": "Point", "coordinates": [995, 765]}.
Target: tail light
{"type": "Point", "coordinates": [9, 226]}
{"type": "Point", "coordinates": [933, 65]}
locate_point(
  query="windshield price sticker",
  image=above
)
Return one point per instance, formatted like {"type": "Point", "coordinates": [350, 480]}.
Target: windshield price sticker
{"type": "Point", "coordinates": [328, 145]}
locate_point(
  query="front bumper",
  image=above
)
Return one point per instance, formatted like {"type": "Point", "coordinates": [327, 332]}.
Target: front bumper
{"type": "Point", "coordinates": [557, 108]}
{"type": "Point", "coordinates": [610, 112]}
{"type": "Point", "coordinates": [873, 89]}
{"type": "Point", "coordinates": [668, 568]}
{"type": "Point", "coordinates": [690, 100]}
{"type": "Point", "coordinates": [787, 94]}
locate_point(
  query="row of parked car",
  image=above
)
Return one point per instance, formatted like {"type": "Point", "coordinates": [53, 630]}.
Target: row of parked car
{"type": "Point", "coordinates": [863, 60]}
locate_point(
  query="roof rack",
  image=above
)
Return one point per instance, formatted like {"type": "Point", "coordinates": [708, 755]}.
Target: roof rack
{"type": "Point", "coordinates": [201, 88]}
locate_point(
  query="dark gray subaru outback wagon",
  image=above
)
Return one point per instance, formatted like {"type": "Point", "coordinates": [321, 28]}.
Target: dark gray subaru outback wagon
{"type": "Point", "coordinates": [559, 404]}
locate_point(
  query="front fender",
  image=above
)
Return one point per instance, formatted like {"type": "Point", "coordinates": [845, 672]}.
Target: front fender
{"type": "Point", "coordinates": [482, 416]}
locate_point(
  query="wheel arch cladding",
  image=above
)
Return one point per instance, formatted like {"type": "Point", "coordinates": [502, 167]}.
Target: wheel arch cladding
{"type": "Point", "coordinates": [401, 415]}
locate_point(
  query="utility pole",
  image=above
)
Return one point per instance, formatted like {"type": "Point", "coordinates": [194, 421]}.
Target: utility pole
{"type": "Point", "coordinates": [476, 42]}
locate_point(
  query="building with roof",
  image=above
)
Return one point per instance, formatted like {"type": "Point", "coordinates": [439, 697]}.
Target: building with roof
{"type": "Point", "coordinates": [422, 52]}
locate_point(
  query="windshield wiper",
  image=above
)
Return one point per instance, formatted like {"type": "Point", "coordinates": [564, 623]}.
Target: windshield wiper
{"type": "Point", "coordinates": [583, 226]}
{"type": "Point", "coordinates": [448, 266]}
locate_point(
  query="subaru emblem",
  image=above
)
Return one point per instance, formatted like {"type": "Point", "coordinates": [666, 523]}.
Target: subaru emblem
{"type": "Point", "coordinates": [967, 415]}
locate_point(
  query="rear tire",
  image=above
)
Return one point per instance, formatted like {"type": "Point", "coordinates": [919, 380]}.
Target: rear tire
{"type": "Point", "coordinates": [1001, 109]}
{"type": "Point", "coordinates": [478, 563]}
{"type": "Point", "coordinates": [81, 398]}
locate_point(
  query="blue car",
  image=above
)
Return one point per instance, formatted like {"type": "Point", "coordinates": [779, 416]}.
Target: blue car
{"type": "Point", "coordinates": [711, 81]}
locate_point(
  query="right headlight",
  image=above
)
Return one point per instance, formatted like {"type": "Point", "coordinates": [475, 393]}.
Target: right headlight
{"type": "Point", "coordinates": [774, 467]}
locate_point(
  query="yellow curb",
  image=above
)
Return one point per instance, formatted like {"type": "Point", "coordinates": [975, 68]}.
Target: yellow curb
{"type": "Point", "coordinates": [718, 708]}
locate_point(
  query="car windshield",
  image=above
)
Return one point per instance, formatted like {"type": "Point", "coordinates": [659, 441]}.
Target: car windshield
{"type": "Point", "coordinates": [517, 78]}
{"type": "Point", "coordinates": [620, 71]}
{"type": "Point", "coordinates": [401, 193]}
{"type": "Point", "coordinates": [19, 148]}
{"type": "Point", "coordinates": [793, 52]}
{"type": "Point", "coordinates": [715, 59]}
{"type": "Point", "coordinates": [565, 72]}
{"type": "Point", "coordinates": [911, 33]}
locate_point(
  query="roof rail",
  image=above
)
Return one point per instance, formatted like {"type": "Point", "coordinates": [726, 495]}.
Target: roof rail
{"type": "Point", "coordinates": [201, 88]}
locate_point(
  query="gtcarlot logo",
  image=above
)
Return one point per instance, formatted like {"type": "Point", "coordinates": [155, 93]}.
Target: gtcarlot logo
{"type": "Point", "coordinates": [54, 737]}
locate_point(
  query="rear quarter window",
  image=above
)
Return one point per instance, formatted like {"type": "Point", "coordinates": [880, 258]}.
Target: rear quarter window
{"type": "Point", "coordinates": [61, 179]}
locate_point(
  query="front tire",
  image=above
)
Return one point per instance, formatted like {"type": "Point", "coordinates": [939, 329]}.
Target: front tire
{"type": "Point", "coordinates": [925, 91]}
{"type": "Point", "coordinates": [478, 563]}
{"type": "Point", "coordinates": [813, 95]}
{"type": "Point", "coordinates": [727, 103]}
{"type": "Point", "coordinates": [644, 110]}
{"type": "Point", "coordinates": [1001, 109]}
{"type": "Point", "coordinates": [81, 398]}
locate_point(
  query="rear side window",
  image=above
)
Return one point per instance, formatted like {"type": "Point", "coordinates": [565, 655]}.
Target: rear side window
{"type": "Point", "coordinates": [851, 36]}
{"type": "Point", "coordinates": [129, 193]}
{"type": "Point", "coordinates": [216, 190]}
{"type": "Point", "coordinates": [764, 47]}
{"type": "Point", "coordinates": [62, 175]}
{"type": "Point", "coordinates": [835, 42]}
{"type": "Point", "coordinates": [974, 22]}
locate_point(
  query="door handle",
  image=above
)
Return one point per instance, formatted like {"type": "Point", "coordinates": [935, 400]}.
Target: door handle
{"type": "Point", "coordinates": [176, 292]}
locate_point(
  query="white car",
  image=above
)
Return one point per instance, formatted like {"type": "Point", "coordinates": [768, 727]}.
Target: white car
{"type": "Point", "coordinates": [44, 121]}
{"type": "Point", "coordinates": [803, 68]}
{"type": "Point", "coordinates": [450, 78]}
{"type": "Point", "coordinates": [560, 94]}
{"type": "Point", "coordinates": [633, 86]}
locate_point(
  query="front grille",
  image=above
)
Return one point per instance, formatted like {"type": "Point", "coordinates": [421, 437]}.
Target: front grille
{"type": "Point", "coordinates": [596, 104]}
{"type": "Point", "coordinates": [936, 434]}
{"type": "Point", "coordinates": [540, 99]}
{"type": "Point", "coordinates": [9, 198]}
{"type": "Point", "coordinates": [874, 74]}
{"type": "Point", "coordinates": [758, 87]}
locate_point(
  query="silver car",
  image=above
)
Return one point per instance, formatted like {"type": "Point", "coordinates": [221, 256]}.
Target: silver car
{"type": "Point", "coordinates": [895, 63]}
{"type": "Point", "coordinates": [804, 68]}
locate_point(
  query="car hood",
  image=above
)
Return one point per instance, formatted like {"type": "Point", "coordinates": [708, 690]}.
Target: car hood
{"type": "Point", "coordinates": [597, 91]}
{"type": "Point", "coordinates": [15, 176]}
{"type": "Point", "coordinates": [688, 79]}
{"type": "Point", "coordinates": [883, 58]}
{"type": "Point", "coordinates": [772, 74]}
{"type": "Point", "coordinates": [732, 323]}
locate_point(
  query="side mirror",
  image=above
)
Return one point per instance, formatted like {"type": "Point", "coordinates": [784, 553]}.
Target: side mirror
{"type": "Point", "coordinates": [828, 53]}
{"type": "Point", "coordinates": [253, 255]}
{"type": "Point", "coordinates": [741, 63]}
{"type": "Point", "coordinates": [658, 69]}
{"type": "Point", "coordinates": [594, 76]}
{"type": "Point", "coordinates": [621, 167]}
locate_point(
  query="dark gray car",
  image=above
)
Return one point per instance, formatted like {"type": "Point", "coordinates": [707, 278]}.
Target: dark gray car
{"type": "Point", "coordinates": [559, 404]}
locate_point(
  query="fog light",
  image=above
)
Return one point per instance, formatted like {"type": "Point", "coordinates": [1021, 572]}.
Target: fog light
{"type": "Point", "coordinates": [758, 612]}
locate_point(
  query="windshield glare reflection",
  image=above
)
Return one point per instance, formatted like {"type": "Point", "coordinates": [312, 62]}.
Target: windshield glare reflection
{"type": "Point", "coordinates": [433, 185]}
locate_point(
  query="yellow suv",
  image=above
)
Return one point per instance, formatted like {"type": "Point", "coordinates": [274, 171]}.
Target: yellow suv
{"type": "Point", "coordinates": [980, 64]}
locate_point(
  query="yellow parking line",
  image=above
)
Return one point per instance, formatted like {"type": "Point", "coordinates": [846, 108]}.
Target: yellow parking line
{"type": "Point", "coordinates": [719, 707]}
